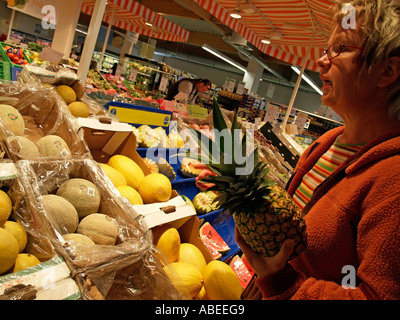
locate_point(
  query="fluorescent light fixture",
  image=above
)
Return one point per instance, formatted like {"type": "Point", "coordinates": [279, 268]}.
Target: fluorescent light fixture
{"type": "Point", "coordinates": [223, 57]}
{"type": "Point", "coordinates": [148, 24]}
{"type": "Point", "coordinates": [304, 77]}
{"type": "Point", "coordinates": [81, 31]}
{"type": "Point", "coordinates": [236, 14]}
{"type": "Point", "coordinates": [266, 41]}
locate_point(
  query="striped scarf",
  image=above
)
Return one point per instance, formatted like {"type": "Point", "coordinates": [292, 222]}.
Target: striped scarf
{"type": "Point", "coordinates": [337, 154]}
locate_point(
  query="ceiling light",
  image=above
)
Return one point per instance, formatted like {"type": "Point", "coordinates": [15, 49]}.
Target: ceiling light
{"type": "Point", "coordinates": [236, 14]}
{"type": "Point", "coordinates": [307, 80]}
{"type": "Point", "coordinates": [148, 24]}
{"type": "Point", "coordinates": [266, 41]}
{"type": "Point", "coordinates": [223, 57]}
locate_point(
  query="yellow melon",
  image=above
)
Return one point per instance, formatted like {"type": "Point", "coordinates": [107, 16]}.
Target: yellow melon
{"type": "Point", "coordinates": [155, 187]}
{"type": "Point", "coordinates": [99, 227]}
{"type": "Point", "coordinates": [131, 194]}
{"type": "Point", "coordinates": [79, 109]}
{"type": "Point", "coordinates": [83, 194]}
{"type": "Point", "coordinates": [191, 254]}
{"type": "Point", "coordinates": [12, 119]}
{"type": "Point", "coordinates": [53, 146]}
{"type": "Point", "coordinates": [61, 213]}
{"type": "Point", "coordinates": [168, 241]}
{"type": "Point", "coordinates": [5, 207]}
{"type": "Point", "coordinates": [8, 250]}
{"type": "Point", "coordinates": [116, 177]}
{"type": "Point", "coordinates": [202, 294]}
{"type": "Point", "coordinates": [221, 282]}
{"type": "Point", "coordinates": [18, 231]}
{"type": "Point", "coordinates": [185, 277]}
{"type": "Point", "coordinates": [67, 93]}
{"type": "Point", "coordinates": [129, 168]}
{"type": "Point", "coordinates": [24, 261]}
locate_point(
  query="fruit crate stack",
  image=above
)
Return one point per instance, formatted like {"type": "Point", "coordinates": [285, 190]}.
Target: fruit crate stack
{"type": "Point", "coordinates": [41, 173]}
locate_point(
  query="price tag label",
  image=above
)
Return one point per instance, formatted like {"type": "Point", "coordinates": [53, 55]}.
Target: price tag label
{"type": "Point", "coordinates": [163, 84]}
{"type": "Point", "coordinates": [133, 75]}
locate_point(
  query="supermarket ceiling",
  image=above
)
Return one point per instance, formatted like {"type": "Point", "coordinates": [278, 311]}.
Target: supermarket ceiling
{"type": "Point", "coordinates": [293, 28]}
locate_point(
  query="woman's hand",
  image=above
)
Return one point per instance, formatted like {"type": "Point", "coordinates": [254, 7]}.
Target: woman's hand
{"type": "Point", "coordinates": [204, 173]}
{"type": "Point", "coordinates": [264, 266]}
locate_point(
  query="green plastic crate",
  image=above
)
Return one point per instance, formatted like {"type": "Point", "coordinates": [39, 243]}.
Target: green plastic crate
{"type": "Point", "coordinates": [6, 58]}
{"type": "Point", "coordinates": [5, 72]}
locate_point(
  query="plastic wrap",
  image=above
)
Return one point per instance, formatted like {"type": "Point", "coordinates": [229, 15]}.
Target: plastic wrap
{"type": "Point", "coordinates": [44, 113]}
{"type": "Point", "coordinates": [129, 269]}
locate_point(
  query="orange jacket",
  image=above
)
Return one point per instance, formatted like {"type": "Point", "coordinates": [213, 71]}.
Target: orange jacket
{"type": "Point", "coordinates": [353, 224]}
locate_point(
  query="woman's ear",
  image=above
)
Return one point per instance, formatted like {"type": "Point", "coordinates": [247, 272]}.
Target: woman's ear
{"type": "Point", "coordinates": [390, 72]}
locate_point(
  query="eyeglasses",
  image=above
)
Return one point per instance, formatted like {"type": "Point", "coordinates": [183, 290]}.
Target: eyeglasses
{"type": "Point", "coordinates": [336, 48]}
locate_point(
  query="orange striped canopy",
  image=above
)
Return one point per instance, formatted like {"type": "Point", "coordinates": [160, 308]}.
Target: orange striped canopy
{"type": "Point", "coordinates": [132, 16]}
{"type": "Point", "coordinates": [300, 23]}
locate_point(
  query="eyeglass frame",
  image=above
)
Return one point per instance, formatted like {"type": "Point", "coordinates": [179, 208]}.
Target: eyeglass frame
{"type": "Point", "coordinates": [341, 45]}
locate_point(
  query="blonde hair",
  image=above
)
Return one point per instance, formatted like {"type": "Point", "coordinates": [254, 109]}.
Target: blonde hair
{"type": "Point", "coordinates": [379, 21]}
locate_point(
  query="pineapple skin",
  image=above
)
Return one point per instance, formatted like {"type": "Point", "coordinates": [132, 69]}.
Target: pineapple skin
{"type": "Point", "coordinates": [266, 229]}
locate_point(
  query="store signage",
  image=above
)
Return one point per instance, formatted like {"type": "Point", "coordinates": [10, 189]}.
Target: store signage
{"type": "Point", "coordinates": [51, 55]}
{"type": "Point", "coordinates": [133, 75]}
{"type": "Point", "coordinates": [43, 10]}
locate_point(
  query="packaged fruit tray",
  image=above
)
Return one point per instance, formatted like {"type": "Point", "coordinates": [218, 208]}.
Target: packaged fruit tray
{"type": "Point", "coordinates": [101, 238]}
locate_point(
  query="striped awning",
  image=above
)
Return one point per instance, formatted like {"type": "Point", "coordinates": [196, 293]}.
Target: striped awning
{"type": "Point", "coordinates": [292, 25]}
{"type": "Point", "coordinates": [132, 16]}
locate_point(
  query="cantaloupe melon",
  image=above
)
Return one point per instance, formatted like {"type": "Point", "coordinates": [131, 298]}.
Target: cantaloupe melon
{"type": "Point", "coordinates": [129, 168]}
{"type": "Point", "coordinates": [23, 147]}
{"type": "Point", "coordinates": [131, 194]}
{"type": "Point", "coordinates": [185, 277]}
{"type": "Point", "coordinates": [116, 177]}
{"type": "Point", "coordinates": [79, 109]}
{"type": "Point", "coordinates": [83, 194]}
{"type": "Point", "coordinates": [191, 254]}
{"type": "Point", "coordinates": [78, 239]}
{"type": "Point", "coordinates": [61, 213]}
{"type": "Point", "coordinates": [12, 119]}
{"type": "Point", "coordinates": [100, 228]}
{"type": "Point", "coordinates": [53, 146]}
{"type": "Point", "coordinates": [167, 239]}
{"type": "Point", "coordinates": [67, 93]}
{"type": "Point", "coordinates": [221, 282]}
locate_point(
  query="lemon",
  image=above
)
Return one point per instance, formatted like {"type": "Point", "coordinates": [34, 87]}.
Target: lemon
{"type": "Point", "coordinates": [131, 194]}
{"type": "Point", "coordinates": [155, 187]}
{"type": "Point", "coordinates": [18, 232]}
{"type": "Point", "coordinates": [5, 207]}
{"type": "Point", "coordinates": [24, 261]}
{"type": "Point", "coordinates": [8, 250]}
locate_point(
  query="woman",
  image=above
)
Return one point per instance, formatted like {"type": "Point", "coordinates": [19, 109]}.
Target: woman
{"type": "Point", "coordinates": [190, 88]}
{"type": "Point", "coordinates": [347, 183]}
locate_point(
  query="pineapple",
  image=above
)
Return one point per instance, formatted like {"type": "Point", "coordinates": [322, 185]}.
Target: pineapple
{"type": "Point", "coordinates": [263, 211]}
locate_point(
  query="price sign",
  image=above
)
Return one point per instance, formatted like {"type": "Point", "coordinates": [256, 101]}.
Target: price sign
{"type": "Point", "coordinates": [133, 75]}
{"type": "Point", "coordinates": [163, 84]}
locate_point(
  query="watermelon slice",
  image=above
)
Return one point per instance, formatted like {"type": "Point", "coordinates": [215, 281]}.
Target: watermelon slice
{"type": "Point", "coordinates": [212, 240]}
{"type": "Point", "coordinates": [241, 271]}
